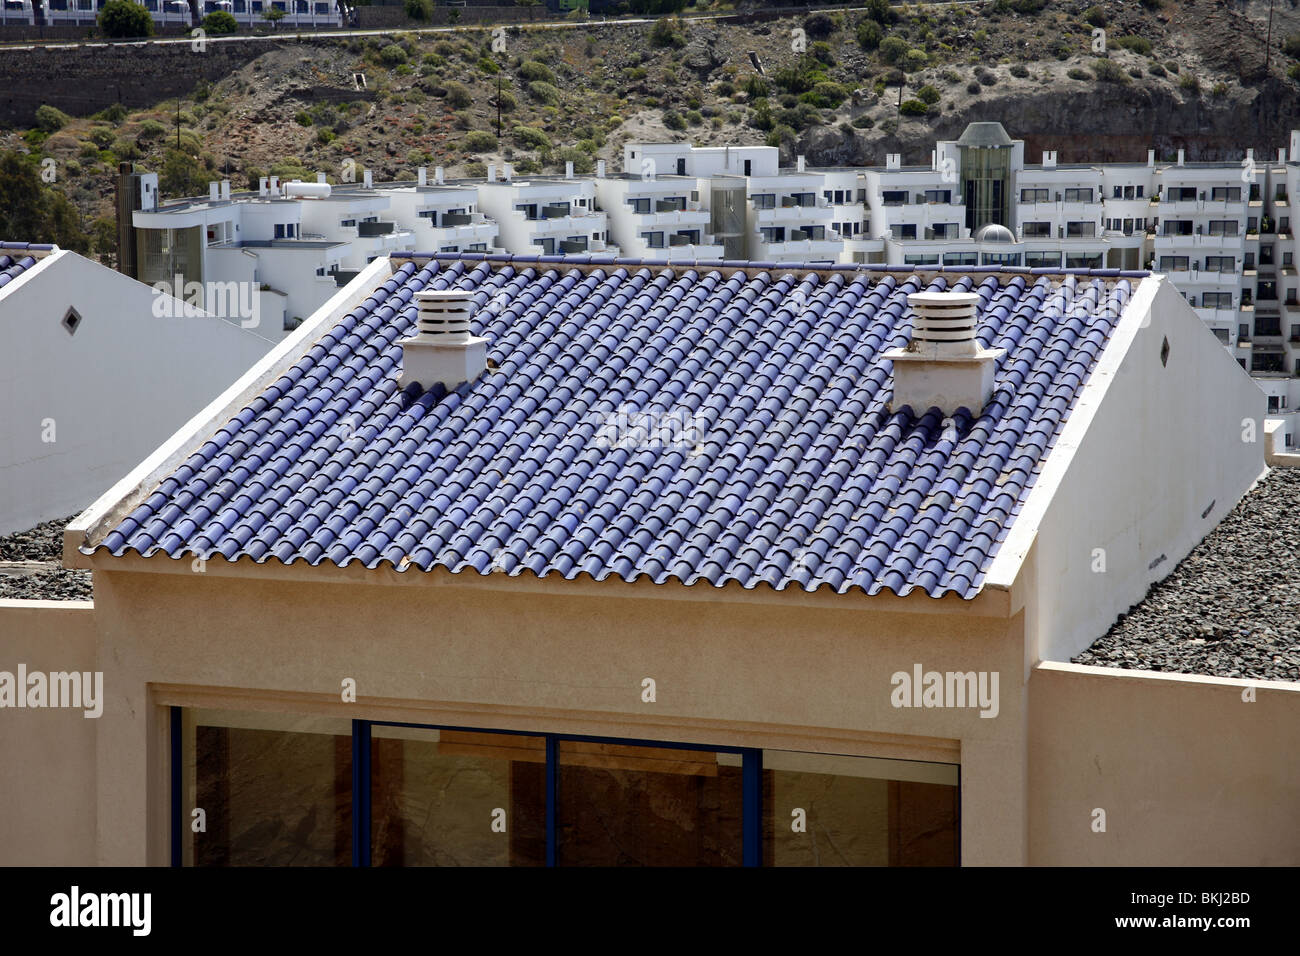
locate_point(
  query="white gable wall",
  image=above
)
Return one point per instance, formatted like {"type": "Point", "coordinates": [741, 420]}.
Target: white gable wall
{"type": "Point", "coordinates": [108, 394]}
{"type": "Point", "coordinates": [1151, 459]}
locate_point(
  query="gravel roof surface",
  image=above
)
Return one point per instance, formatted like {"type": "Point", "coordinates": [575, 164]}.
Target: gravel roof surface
{"type": "Point", "coordinates": [44, 545]}
{"type": "Point", "coordinates": [1231, 608]}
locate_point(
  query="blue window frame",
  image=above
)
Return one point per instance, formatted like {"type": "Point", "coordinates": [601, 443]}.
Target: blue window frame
{"type": "Point", "coordinates": [751, 774]}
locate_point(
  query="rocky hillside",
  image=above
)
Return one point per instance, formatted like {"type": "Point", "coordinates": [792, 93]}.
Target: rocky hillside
{"type": "Point", "coordinates": [841, 87]}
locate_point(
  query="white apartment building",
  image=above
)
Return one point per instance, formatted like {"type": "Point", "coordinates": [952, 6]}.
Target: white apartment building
{"type": "Point", "coordinates": [1221, 231]}
{"type": "Point", "coordinates": [551, 215]}
{"type": "Point", "coordinates": [19, 12]}
{"type": "Point", "coordinates": [659, 218]}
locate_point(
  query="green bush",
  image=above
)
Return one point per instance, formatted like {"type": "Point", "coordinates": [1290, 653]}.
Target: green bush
{"type": "Point", "coordinates": [1189, 82]}
{"type": "Point", "coordinates": [819, 25]}
{"type": "Point", "coordinates": [476, 170]}
{"type": "Point", "coordinates": [324, 136]}
{"type": "Point", "coordinates": [101, 136]}
{"type": "Point", "coordinates": [507, 101]}
{"type": "Point", "coordinates": [893, 49]}
{"type": "Point", "coordinates": [694, 117]}
{"type": "Point", "coordinates": [1108, 71]}
{"type": "Point", "coordinates": [151, 129]}
{"type": "Point", "coordinates": [532, 71]}
{"type": "Point", "coordinates": [1095, 17]}
{"type": "Point", "coordinates": [544, 92]}
{"type": "Point", "coordinates": [583, 164]}
{"type": "Point", "coordinates": [392, 55]}
{"type": "Point", "coordinates": [530, 137]}
{"type": "Point", "coordinates": [864, 122]}
{"type": "Point", "coordinates": [458, 95]}
{"type": "Point", "coordinates": [668, 32]}
{"type": "Point", "coordinates": [418, 9]}
{"type": "Point", "coordinates": [303, 118]}
{"type": "Point", "coordinates": [973, 88]}
{"type": "Point", "coordinates": [1291, 46]}
{"type": "Point", "coordinates": [914, 60]}
{"type": "Point", "coordinates": [50, 118]}
{"type": "Point", "coordinates": [478, 142]}
{"type": "Point", "coordinates": [878, 10]}
{"type": "Point", "coordinates": [1155, 69]}
{"type": "Point", "coordinates": [1294, 72]}
{"type": "Point", "coordinates": [1075, 73]}
{"type": "Point", "coordinates": [1020, 70]}
{"type": "Point", "coordinates": [673, 120]}
{"type": "Point", "coordinates": [913, 108]}
{"type": "Point", "coordinates": [928, 94]}
{"type": "Point", "coordinates": [826, 95]}
{"type": "Point", "coordinates": [781, 134]}
{"type": "Point", "coordinates": [870, 33]}
{"type": "Point", "coordinates": [488, 66]}
{"type": "Point", "coordinates": [114, 114]}
{"type": "Point", "coordinates": [1135, 43]}
{"type": "Point", "coordinates": [124, 18]}
{"type": "Point", "coordinates": [219, 23]}
{"type": "Point", "coordinates": [1172, 66]}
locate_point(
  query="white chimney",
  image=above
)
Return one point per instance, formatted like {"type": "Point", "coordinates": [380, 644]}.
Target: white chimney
{"type": "Point", "coordinates": [600, 169]}
{"type": "Point", "coordinates": [438, 175]}
{"type": "Point", "coordinates": [443, 350]}
{"type": "Point", "coordinates": [1295, 144]}
{"type": "Point", "coordinates": [1049, 159]}
{"type": "Point", "coordinates": [492, 172]}
{"type": "Point", "coordinates": [568, 169]}
{"type": "Point", "coordinates": [1281, 154]}
{"type": "Point", "coordinates": [320, 177]}
{"type": "Point", "coordinates": [214, 191]}
{"type": "Point", "coordinates": [1151, 158]}
{"type": "Point", "coordinates": [507, 172]}
{"type": "Point", "coordinates": [264, 187]}
{"type": "Point", "coordinates": [800, 164]}
{"type": "Point", "coordinates": [1182, 157]}
{"type": "Point", "coordinates": [368, 179]}
{"type": "Point", "coordinates": [275, 186]}
{"type": "Point", "coordinates": [422, 176]}
{"type": "Point", "coordinates": [893, 161]}
{"type": "Point", "coordinates": [944, 365]}
{"type": "Point", "coordinates": [225, 189]}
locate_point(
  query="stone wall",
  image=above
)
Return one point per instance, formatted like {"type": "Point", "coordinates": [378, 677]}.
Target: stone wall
{"type": "Point", "coordinates": [85, 80]}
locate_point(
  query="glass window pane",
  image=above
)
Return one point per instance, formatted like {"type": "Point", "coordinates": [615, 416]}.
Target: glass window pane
{"type": "Point", "coordinates": [457, 798]}
{"type": "Point", "coordinates": [622, 805]}
{"type": "Point", "coordinates": [823, 810]}
{"type": "Point", "coordinates": [275, 789]}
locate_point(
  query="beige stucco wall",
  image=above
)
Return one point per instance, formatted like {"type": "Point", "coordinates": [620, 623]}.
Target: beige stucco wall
{"type": "Point", "coordinates": [47, 757]}
{"type": "Point", "coordinates": [1187, 772]}
{"type": "Point", "coordinates": [794, 675]}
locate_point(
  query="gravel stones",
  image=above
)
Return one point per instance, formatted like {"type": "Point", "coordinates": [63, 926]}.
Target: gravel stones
{"type": "Point", "coordinates": [1232, 607]}
{"type": "Point", "coordinates": [31, 566]}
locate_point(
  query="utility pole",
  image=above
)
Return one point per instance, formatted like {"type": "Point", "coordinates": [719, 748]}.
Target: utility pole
{"type": "Point", "coordinates": [498, 104]}
{"type": "Point", "coordinates": [178, 121]}
{"type": "Point", "coordinates": [1268, 44]}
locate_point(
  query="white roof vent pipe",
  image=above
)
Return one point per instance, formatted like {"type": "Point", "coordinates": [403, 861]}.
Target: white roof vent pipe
{"type": "Point", "coordinates": [444, 349]}
{"type": "Point", "coordinates": [944, 365]}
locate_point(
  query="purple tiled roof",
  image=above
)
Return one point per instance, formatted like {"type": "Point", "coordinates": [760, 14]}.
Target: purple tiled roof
{"type": "Point", "coordinates": [15, 258]}
{"type": "Point", "coordinates": [678, 424]}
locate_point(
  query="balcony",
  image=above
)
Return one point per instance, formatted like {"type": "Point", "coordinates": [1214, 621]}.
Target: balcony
{"type": "Point", "coordinates": [1196, 241]}
{"type": "Point", "coordinates": [368, 229]}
